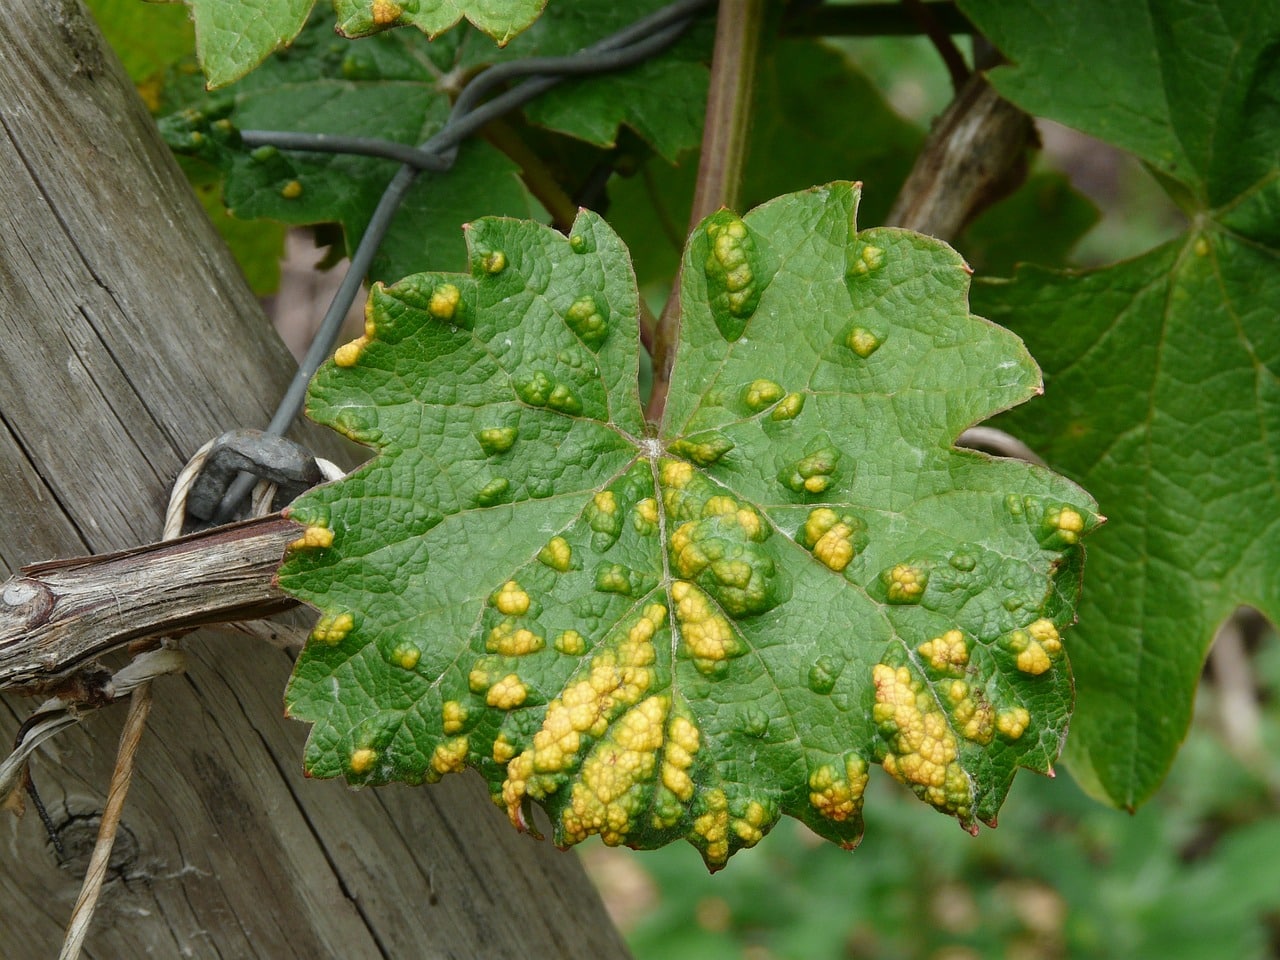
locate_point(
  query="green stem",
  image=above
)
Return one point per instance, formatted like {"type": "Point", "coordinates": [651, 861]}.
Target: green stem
{"type": "Point", "coordinates": [724, 146]}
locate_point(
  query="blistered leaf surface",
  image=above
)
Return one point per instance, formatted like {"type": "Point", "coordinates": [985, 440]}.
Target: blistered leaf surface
{"type": "Point", "coordinates": [690, 633]}
{"type": "Point", "coordinates": [1162, 370]}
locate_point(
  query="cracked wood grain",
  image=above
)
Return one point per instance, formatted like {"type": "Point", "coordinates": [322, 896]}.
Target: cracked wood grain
{"type": "Point", "coordinates": [127, 339]}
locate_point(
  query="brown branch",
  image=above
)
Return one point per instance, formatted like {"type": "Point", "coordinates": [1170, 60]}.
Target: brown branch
{"type": "Point", "coordinates": [975, 155]}
{"type": "Point", "coordinates": [940, 37]}
{"type": "Point", "coordinates": [56, 618]}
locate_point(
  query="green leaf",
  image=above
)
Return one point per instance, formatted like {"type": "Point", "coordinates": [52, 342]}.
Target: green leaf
{"type": "Point", "coordinates": [687, 634]}
{"type": "Point", "coordinates": [387, 86]}
{"type": "Point", "coordinates": [663, 99]}
{"type": "Point", "coordinates": [1040, 223]}
{"type": "Point", "coordinates": [233, 37]}
{"type": "Point", "coordinates": [1161, 371]}
{"type": "Point", "coordinates": [500, 19]}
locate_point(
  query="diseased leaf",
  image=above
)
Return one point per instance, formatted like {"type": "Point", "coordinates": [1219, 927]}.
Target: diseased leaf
{"type": "Point", "coordinates": [1162, 370]}
{"type": "Point", "coordinates": [397, 86]}
{"type": "Point", "coordinates": [388, 87]}
{"type": "Point", "coordinates": [690, 632]}
{"type": "Point", "coordinates": [234, 36]}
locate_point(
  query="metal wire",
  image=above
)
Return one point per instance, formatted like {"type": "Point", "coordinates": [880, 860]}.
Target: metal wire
{"type": "Point", "coordinates": [630, 46]}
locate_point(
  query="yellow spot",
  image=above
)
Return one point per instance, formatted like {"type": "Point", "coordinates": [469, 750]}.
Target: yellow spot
{"type": "Point", "coordinates": [511, 599]}
{"type": "Point", "coordinates": [570, 642]}
{"type": "Point", "coordinates": [609, 793]}
{"type": "Point", "coordinates": [1046, 634]}
{"type": "Point", "coordinates": [454, 714]}
{"type": "Point", "coordinates": [503, 749]}
{"type": "Point", "coordinates": [1013, 723]}
{"type": "Point", "coordinates": [974, 717]}
{"type": "Point", "coordinates": [347, 354]}
{"type": "Point", "coordinates": [906, 583]}
{"type": "Point", "coordinates": [706, 633]}
{"type": "Point", "coordinates": [946, 652]}
{"type": "Point", "coordinates": [480, 678]}
{"type": "Point", "coordinates": [869, 259]}
{"type": "Point", "coordinates": [862, 342]}
{"type": "Point", "coordinates": [1036, 646]}
{"type": "Point", "coordinates": [1068, 523]}
{"type": "Point", "coordinates": [749, 828]}
{"type": "Point", "coordinates": [789, 408]}
{"type": "Point", "coordinates": [406, 656]}
{"type": "Point", "coordinates": [291, 190]}
{"type": "Point", "coordinates": [645, 519]}
{"type": "Point", "coordinates": [676, 473]}
{"type": "Point", "coordinates": [557, 554]}
{"type": "Point", "coordinates": [835, 547]}
{"type": "Point", "coordinates": [1034, 660]}
{"type": "Point", "coordinates": [762, 393]}
{"type": "Point", "coordinates": [494, 262]}
{"type": "Point", "coordinates": [688, 555]}
{"type": "Point", "coordinates": [1202, 247]}
{"type": "Point", "coordinates": [606, 502]}
{"type": "Point", "coordinates": [835, 794]}
{"type": "Point", "coordinates": [817, 483]}
{"type": "Point", "coordinates": [444, 301]}
{"type": "Point", "coordinates": [362, 760]}
{"type": "Point", "coordinates": [507, 694]}
{"type": "Point", "coordinates": [385, 12]}
{"type": "Point", "coordinates": [370, 308]}
{"type": "Point", "coordinates": [719, 506]}
{"type": "Point", "coordinates": [713, 827]}
{"type": "Point", "coordinates": [509, 640]}
{"type": "Point", "coordinates": [617, 678]}
{"type": "Point", "coordinates": [332, 627]}
{"type": "Point", "coordinates": [315, 537]}
{"type": "Point", "coordinates": [922, 749]}
{"type": "Point", "coordinates": [677, 757]}
{"type": "Point", "coordinates": [495, 440]}
{"type": "Point", "coordinates": [829, 537]}
{"type": "Point", "coordinates": [450, 756]}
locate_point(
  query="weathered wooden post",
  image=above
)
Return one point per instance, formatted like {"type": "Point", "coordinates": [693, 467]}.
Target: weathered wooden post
{"type": "Point", "coordinates": [127, 338]}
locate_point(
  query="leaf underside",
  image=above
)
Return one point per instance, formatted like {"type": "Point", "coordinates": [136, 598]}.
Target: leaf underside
{"type": "Point", "coordinates": [687, 631]}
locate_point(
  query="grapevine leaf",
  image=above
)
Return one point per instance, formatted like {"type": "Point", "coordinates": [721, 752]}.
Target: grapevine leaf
{"type": "Point", "coordinates": [390, 87]}
{"type": "Point", "coordinates": [663, 99]}
{"type": "Point", "coordinates": [500, 19]}
{"type": "Point", "coordinates": [687, 634]}
{"type": "Point", "coordinates": [1161, 371]}
{"type": "Point", "coordinates": [234, 36]}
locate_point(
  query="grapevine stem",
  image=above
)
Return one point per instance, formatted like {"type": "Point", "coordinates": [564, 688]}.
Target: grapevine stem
{"type": "Point", "coordinates": [739, 25]}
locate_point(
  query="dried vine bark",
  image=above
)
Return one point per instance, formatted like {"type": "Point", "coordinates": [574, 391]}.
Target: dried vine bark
{"type": "Point", "coordinates": [127, 338]}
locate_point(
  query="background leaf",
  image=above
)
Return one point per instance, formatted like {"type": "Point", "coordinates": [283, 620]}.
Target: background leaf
{"type": "Point", "coordinates": [233, 37]}
{"type": "Point", "coordinates": [398, 86]}
{"type": "Point", "coordinates": [687, 636]}
{"type": "Point", "coordinates": [1161, 371]}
